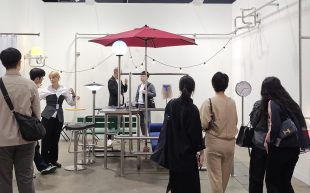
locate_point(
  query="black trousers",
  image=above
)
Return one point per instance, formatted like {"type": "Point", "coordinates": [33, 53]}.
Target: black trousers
{"type": "Point", "coordinates": [49, 150]}
{"type": "Point", "coordinates": [257, 170]}
{"type": "Point", "coordinates": [280, 166]}
{"type": "Point", "coordinates": [184, 182]}
{"type": "Point", "coordinates": [38, 159]}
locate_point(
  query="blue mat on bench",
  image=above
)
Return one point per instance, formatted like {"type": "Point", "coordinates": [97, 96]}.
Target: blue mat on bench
{"type": "Point", "coordinates": [154, 131]}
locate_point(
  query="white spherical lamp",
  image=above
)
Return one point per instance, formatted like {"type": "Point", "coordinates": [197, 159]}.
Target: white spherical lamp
{"type": "Point", "coordinates": [119, 48]}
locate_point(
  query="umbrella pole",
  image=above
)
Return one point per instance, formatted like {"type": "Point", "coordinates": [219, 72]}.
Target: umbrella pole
{"type": "Point", "coordinates": [119, 82]}
{"type": "Point", "coordinates": [146, 117]}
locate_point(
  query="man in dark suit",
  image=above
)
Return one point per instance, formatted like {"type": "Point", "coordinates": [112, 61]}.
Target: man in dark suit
{"type": "Point", "coordinates": [113, 89]}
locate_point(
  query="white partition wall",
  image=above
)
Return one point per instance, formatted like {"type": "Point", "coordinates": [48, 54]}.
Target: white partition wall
{"type": "Point", "coordinates": [59, 22]}
{"type": "Point", "coordinates": [62, 21]}
{"type": "Point", "coordinates": [272, 50]}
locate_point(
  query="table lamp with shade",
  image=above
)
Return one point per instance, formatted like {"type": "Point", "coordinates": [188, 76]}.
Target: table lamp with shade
{"type": "Point", "coordinates": [94, 87]}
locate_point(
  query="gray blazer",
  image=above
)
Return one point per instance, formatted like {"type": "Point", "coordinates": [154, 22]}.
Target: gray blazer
{"type": "Point", "coordinates": [151, 92]}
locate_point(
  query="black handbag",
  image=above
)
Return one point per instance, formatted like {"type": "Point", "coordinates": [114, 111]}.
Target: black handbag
{"type": "Point", "coordinates": [30, 127]}
{"type": "Point", "coordinates": [151, 102]}
{"type": "Point", "coordinates": [245, 136]}
{"type": "Point", "coordinates": [288, 128]}
{"type": "Point", "coordinates": [211, 124]}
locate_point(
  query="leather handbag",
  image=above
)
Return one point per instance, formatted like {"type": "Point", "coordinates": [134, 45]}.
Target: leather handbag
{"type": "Point", "coordinates": [30, 127]}
{"type": "Point", "coordinates": [245, 136]}
{"type": "Point", "coordinates": [212, 124]}
{"type": "Point", "coordinates": [288, 128]}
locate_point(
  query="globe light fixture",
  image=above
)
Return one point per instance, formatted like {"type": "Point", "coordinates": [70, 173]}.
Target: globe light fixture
{"type": "Point", "coordinates": [119, 48]}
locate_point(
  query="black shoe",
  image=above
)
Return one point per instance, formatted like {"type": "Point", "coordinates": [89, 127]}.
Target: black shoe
{"type": "Point", "coordinates": [58, 165]}
{"type": "Point", "coordinates": [49, 170]}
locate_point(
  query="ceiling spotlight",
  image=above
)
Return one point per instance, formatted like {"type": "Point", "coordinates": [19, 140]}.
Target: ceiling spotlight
{"type": "Point", "coordinates": [197, 2]}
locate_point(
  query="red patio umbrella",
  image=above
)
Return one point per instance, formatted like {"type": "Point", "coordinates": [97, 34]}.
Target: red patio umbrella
{"type": "Point", "coordinates": [145, 37]}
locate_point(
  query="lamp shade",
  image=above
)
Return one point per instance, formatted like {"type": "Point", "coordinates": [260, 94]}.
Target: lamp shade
{"type": "Point", "coordinates": [94, 86]}
{"type": "Point", "coordinates": [36, 51]}
{"type": "Point", "coordinates": [119, 48]}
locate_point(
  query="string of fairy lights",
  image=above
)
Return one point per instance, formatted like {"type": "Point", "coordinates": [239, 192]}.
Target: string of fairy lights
{"type": "Point", "coordinates": [154, 60]}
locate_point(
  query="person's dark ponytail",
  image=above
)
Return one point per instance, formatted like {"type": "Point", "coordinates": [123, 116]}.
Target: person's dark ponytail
{"type": "Point", "coordinates": [187, 87]}
{"type": "Point", "coordinates": [185, 94]}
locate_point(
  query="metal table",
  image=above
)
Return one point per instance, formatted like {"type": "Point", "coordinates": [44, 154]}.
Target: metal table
{"type": "Point", "coordinates": [117, 112]}
{"type": "Point", "coordinates": [138, 153]}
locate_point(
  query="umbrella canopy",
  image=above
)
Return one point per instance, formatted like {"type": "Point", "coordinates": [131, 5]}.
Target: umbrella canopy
{"type": "Point", "coordinates": [146, 37]}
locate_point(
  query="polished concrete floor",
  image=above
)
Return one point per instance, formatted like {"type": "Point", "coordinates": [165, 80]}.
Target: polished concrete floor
{"type": "Point", "coordinates": [150, 179]}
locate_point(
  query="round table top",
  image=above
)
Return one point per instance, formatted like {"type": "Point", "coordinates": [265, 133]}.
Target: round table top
{"type": "Point", "coordinates": [75, 109]}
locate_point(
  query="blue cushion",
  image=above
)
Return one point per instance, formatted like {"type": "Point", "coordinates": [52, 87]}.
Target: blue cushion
{"type": "Point", "coordinates": [155, 127]}
{"type": "Point", "coordinates": [154, 142]}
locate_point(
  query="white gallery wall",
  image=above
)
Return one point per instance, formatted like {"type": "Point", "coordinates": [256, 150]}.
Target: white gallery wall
{"type": "Point", "coordinates": [62, 21]}
{"type": "Point", "coordinates": [23, 16]}
{"type": "Point", "coordinates": [59, 22]}
{"type": "Point", "coordinates": [272, 50]}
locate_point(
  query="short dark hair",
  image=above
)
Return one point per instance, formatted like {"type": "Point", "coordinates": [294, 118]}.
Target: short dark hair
{"type": "Point", "coordinates": [10, 57]}
{"type": "Point", "coordinates": [220, 81]}
{"type": "Point", "coordinates": [147, 73]}
{"type": "Point", "coordinates": [36, 73]}
{"type": "Point", "coordinates": [187, 87]}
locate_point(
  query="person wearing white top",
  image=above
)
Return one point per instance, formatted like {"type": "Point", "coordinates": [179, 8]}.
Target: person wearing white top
{"type": "Point", "coordinates": [53, 118]}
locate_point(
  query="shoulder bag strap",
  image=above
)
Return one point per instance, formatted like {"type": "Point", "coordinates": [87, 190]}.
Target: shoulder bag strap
{"type": "Point", "coordinates": [6, 95]}
{"type": "Point", "coordinates": [211, 110]}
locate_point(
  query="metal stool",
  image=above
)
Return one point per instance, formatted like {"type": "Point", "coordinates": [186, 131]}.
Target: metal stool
{"type": "Point", "coordinates": [76, 128]}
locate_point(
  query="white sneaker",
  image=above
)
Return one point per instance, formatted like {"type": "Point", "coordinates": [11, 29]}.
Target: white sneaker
{"type": "Point", "coordinates": [48, 170]}
{"type": "Point", "coordinates": [109, 143]}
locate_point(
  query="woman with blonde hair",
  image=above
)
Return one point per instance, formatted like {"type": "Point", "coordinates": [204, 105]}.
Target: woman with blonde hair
{"type": "Point", "coordinates": [52, 116]}
{"type": "Point", "coordinates": [220, 138]}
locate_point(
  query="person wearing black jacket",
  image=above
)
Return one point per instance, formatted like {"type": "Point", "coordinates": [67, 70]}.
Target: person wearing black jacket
{"type": "Point", "coordinates": [282, 157]}
{"type": "Point", "coordinates": [258, 155]}
{"type": "Point", "coordinates": [184, 140]}
{"type": "Point", "coordinates": [37, 75]}
{"type": "Point", "coordinates": [113, 88]}
{"type": "Point", "coordinates": [140, 99]}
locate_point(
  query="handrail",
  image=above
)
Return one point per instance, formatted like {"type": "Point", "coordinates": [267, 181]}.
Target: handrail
{"type": "Point", "coordinates": [133, 137]}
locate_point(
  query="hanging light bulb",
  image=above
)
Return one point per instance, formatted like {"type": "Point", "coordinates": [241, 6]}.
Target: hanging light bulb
{"type": "Point", "coordinates": [61, 72]}
{"type": "Point", "coordinates": [137, 68]}
{"type": "Point", "coordinates": [181, 70]}
{"type": "Point", "coordinates": [141, 66]}
{"type": "Point", "coordinates": [93, 69]}
{"type": "Point", "coordinates": [130, 58]}
{"type": "Point", "coordinates": [154, 61]}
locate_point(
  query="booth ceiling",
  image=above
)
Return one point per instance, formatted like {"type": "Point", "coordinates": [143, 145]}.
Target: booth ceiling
{"type": "Point", "coordinates": [146, 1]}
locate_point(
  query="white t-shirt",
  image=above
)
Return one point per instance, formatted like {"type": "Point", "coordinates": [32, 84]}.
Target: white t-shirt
{"type": "Point", "coordinates": [140, 99]}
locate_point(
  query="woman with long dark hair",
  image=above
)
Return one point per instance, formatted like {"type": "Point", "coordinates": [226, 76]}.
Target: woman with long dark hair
{"type": "Point", "coordinates": [282, 155]}
{"type": "Point", "coordinates": [184, 140]}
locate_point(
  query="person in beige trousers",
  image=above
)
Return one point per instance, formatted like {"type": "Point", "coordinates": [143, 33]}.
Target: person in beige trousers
{"type": "Point", "coordinates": [220, 140]}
